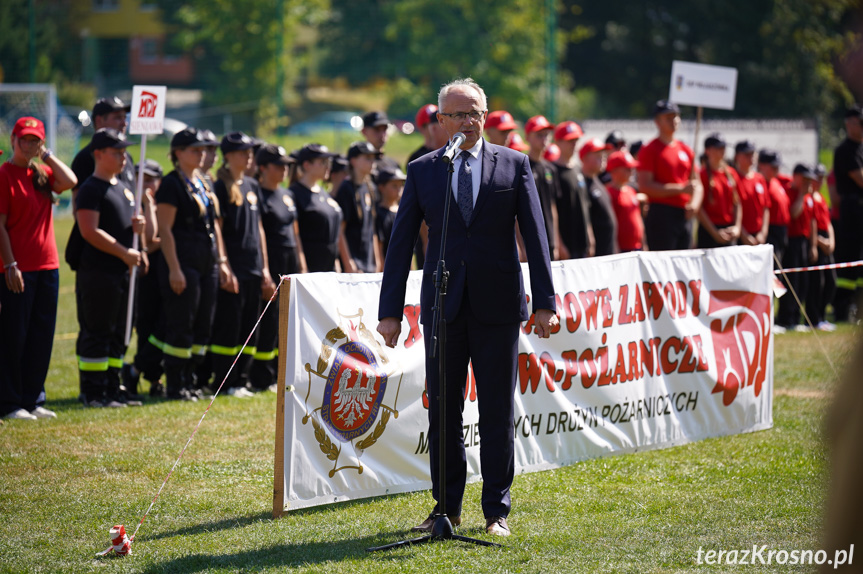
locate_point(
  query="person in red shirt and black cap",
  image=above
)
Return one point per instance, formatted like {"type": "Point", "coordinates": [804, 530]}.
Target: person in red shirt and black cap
{"type": "Point", "coordinates": [499, 126]}
{"type": "Point", "coordinates": [538, 131]}
{"type": "Point", "coordinates": [573, 204]}
{"type": "Point", "coordinates": [30, 280]}
{"type": "Point", "coordinates": [666, 174]}
{"type": "Point", "coordinates": [754, 197]}
{"type": "Point", "coordinates": [802, 245]}
{"type": "Point", "coordinates": [433, 135]}
{"type": "Point", "coordinates": [822, 283]}
{"type": "Point", "coordinates": [778, 203]}
{"type": "Point", "coordinates": [602, 215]}
{"type": "Point", "coordinates": [720, 216]}
{"type": "Point", "coordinates": [627, 205]}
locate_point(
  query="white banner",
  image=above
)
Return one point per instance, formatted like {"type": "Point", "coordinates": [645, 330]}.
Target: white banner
{"type": "Point", "coordinates": [702, 85]}
{"type": "Point", "coordinates": [147, 114]}
{"type": "Point", "coordinates": [653, 350]}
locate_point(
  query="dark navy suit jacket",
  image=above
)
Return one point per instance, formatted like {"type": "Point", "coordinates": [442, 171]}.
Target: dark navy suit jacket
{"type": "Point", "coordinates": [481, 255]}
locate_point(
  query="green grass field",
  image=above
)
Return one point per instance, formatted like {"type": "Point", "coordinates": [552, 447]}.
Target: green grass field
{"type": "Point", "coordinates": [65, 482]}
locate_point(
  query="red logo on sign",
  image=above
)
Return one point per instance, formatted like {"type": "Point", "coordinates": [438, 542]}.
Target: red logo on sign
{"type": "Point", "coordinates": [148, 105]}
{"type": "Point", "coordinates": [741, 340]}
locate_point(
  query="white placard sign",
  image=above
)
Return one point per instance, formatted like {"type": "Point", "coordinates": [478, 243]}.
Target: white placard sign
{"type": "Point", "coordinates": [703, 85]}
{"type": "Point", "coordinates": [148, 109]}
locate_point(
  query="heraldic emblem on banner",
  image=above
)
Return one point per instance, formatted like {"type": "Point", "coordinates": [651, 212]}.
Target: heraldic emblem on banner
{"type": "Point", "coordinates": [354, 367]}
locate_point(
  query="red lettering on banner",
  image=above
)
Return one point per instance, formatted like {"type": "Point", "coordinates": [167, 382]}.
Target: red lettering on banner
{"type": "Point", "coordinates": [415, 334]}
{"type": "Point", "coordinates": [570, 362]}
{"type": "Point", "coordinates": [591, 308]}
{"type": "Point", "coordinates": [558, 305]}
{"type": "Point", "coordinates": [604, 296]}
{"type": "Point", "coordinates": [669, 365]}
{"type": "Point", "coordinates": [624, 312]}
{"type": "Point", "coordinates": [572, 312]}
{"type": "Point", "coordinates": [634, 371]}
{"type": "Point", "coordinates": [650, 355]}
{"type": "Point", "coordinates": [529, 324]}
{"type": "Point", "coordinates": [687, 363]}
{"type": "Point", "coordinates": [620, 367]}
{"type": "Point", "coordinates": [695, 287]}
{"type": "Point", "coordinates": [638, 307]}
{"type": "Point", "coordinates": [470, 385]}
{"type": "Point", "coordinates": [602, 360]}
{"type": "Point", "coordinates": [588, 368]}
{"type": "Point", "coordinates": [653, 297]}
{"type": "Point", "coordinates": [531, 370]}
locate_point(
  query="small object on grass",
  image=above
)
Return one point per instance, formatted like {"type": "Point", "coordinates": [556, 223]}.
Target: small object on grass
{"type": "Point", "coordinates": [120, 543]}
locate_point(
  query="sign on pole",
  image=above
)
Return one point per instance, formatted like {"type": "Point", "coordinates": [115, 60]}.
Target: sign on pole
{"type": "Point", "coordinates": [148, 117]}
{"type": "Point", "coordinates": [702, 85]}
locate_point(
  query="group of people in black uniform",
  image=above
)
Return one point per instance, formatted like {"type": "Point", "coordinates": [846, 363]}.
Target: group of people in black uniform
{"type": "Point", "coordinates": [213, 247]}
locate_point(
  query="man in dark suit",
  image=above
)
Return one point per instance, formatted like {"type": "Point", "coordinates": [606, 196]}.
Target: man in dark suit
{"type": "Point", "coordinates": [493, 188]}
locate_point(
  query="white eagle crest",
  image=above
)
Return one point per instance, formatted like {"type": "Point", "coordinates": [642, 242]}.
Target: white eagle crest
{"type": "Point", "coordinates": [351, 403]}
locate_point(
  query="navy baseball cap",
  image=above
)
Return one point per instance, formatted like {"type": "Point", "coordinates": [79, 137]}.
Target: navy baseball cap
{"type": "Point", "coordinates": [745, 146]}
{"type": "Point", "coordinates": [105, 106]}
{"type": "Point", "coordinates": [714, 140]}
{"type": "Point", "coordinates": [188, 137]}
{"type": "Point", "coordinates": [236, 141]}
{"type": "Point", "coordinates": [362, 148]}
{"type": "Point", "coordinates": [805, 171]}
{"type": "Point", "coordinates": [665, 107]}
{"type": "Point", "coordinates": [209, 137]}
{"type": "Point", "coordinates": [375, 119]}
{"type": "Point", "coordinates": [270, 153]}
{"type": "Point", "coordinates": [105, 138]}
{"type": "Point", "coordinates": [312, 151]}
{"type": "Point", "coordinates": [769, 156]}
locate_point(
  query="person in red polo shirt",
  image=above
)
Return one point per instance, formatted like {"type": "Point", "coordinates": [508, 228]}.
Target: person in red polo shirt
{"type": "Point", "coordinates": [778, 203]}
{"type": "Point", "coordinates": [538, 132]}
{"type": "Point", "coordinates": [802, 246]}
{"type": "Point", "coordinates": [666, 175]}
{"type": "Point", "coordinates": [31, 280]}
{"type": "Point", "coordinates": [627, 207]}
{"type": "Point", "coordinates": [822, 283]}
{"type": "Point", "coordinates": [754, 199]}
{"type": "Point", "coordinates": [498, 127]}
{"type": "Point", "coordinates": [720, 215]}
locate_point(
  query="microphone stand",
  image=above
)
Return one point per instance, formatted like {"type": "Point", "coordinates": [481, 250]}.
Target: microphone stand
{"type": "Point", "coordinates": [442, 528]}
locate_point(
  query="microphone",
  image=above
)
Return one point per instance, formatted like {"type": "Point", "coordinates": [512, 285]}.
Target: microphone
{"type": "Point", "coordinates": [452, 147]}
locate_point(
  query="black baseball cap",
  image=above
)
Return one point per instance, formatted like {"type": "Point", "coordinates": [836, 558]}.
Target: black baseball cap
{"type": "Point", "coordinates": [714, 140]}
{"type": "Point", "coordinates": [375, 119]}
{"type": "Point", "coordinates": [854, 111]}
{"type": "Point", "coordinates": [151, 168]}
{"type": "Point", "coordinates": [615, 138]}
{"type": "Point", "coordinates": [805, 171]}
{"type": "Point", "coordinates": [105, 138]}
{"type": "Point", "coordinates": [665, 107]}
{"type": "Point", "coordinates": [820, 170]}
{"type": "Point", "coordinates": [312, 151]}
{"type": "Point", "coordinates": [188, 137]}
{"type": "Point", "coordinates": [745, 146]}
{"type": "Point", "coordinates": [769, 156]}
{"type": "Point", "coordinates": [271, 153]}
{"type": "Point", "coordinates": [210, 138]}
{"type": "Point", "coordinates": [105, 106]}
{"type": "Point", "coordinates": [340, 163]}
{"type": "Point", "coordinates": [388, 173]}
{"type": "Point", "coordinates": [635, 147]}
{"type": "Point", "coordinates": [236, 141]}
{"type": "Point", "coordinates": [362, 148]}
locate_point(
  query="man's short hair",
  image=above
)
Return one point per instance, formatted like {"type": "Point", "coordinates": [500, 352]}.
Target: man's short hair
{"type": "Point", "coordinates": [444, 91]}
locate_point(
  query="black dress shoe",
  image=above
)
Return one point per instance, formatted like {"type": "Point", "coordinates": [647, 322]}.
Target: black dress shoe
{"type": "Point", "coordinates": [427, 524]}
{"type": "Point", "coordinates": [497, 525]}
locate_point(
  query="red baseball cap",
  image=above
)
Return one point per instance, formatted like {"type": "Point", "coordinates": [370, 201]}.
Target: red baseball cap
{"type": "Point", "coordinates": [552, 152]}
{"type": "Point", "coordinates": [426, 115]}
{"type": "Point", "coordinates": [500, 120]}
{"type": "Point", "coordinates": [515, 142]}
{"type": "Point", "coordinates": [567, 131]}
{"type": "Point", "coordinates": [537, 123]}
{"type": "Point", "coordinates": [592, 145]}
{"type": "Point", "coordinates": [621, 159]}
{"type": "Point", "coordinates": [29, 126]}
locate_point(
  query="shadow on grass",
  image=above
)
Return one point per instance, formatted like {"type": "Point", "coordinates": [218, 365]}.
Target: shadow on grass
{"type": "Point", "coordinates": [286, 555]}
{"type": "Point", "coordinates": [226, 524]}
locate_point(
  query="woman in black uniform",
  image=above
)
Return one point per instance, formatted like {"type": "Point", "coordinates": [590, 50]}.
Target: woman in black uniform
{"type": "Point", "coordinates": [391, 182]}
{"type": "Point", "coordinates": [279, 218]}
{"type": "Point", "coordinates": [238, 310]}
{"type": "Point", "coordinates": [358, 245]}
{"type": "Point", "coordinates": [105, 211]}
{"type": "Point", "coordinates": [193, 263]}
{"type": "Point", "coordinates": [318, 214]}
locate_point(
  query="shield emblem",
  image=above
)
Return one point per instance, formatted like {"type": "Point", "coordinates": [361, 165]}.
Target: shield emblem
{"type": "Point", "coordinates": [354, 391]}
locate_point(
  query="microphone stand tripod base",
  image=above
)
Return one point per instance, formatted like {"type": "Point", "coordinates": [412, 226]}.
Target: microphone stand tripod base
{"type": "Point", "coordinates": [441, 530]}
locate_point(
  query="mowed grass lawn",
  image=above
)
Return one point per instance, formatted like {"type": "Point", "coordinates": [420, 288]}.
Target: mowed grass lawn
{"type": "Point", "coordinates": [64, 482]}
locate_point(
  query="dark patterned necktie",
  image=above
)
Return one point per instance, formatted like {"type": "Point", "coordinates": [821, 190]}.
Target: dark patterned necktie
{"type": "Point", "coordinates": [465, 188]}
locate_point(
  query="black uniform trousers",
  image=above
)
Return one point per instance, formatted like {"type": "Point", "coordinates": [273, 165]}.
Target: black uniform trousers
{"type": "Point", "coordinates": [236, 315]}
{"type": "Point", "coordinates": [265, 365]}
{"type": "Point", "coordinates": [188, 317]}
{"type": "Point", "coordinates": [822, 286]}
{"type": "Point", "coordinates": [102, 298]}
{"type": "Point", "coordinates": [706, 241]}
{"type": "Point", "coordinates": [493, 352]}
{"type": "Point", "coordinates": [849, 247]}
{"type": "Point", "coordinates": [667, 228]}
{"type": "Point", "coordinates": [27, 322]}
{"type": "Point", "coordinates": [149, 321]}
{"type": "Point", "coordinates": [788, 315]}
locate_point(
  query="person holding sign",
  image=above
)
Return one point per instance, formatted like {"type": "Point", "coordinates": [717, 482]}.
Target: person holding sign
{"type": "Point", "coordinates": [107, 221]}
{"type": "Point", "coordinates": [666, 174]}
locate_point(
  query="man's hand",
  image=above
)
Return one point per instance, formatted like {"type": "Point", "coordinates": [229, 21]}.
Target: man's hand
{"type": "Point", "coordinates": [545, 320]}
{"type": "Point", "coordinates": [390, 328]}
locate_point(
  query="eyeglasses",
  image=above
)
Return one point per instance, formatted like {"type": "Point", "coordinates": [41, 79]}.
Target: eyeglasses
{"type": "Point", "coordinates": [474, 116]}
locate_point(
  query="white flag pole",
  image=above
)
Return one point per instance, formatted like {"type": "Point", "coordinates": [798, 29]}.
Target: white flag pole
{"type": "Point", "coordinates": [139, 191]}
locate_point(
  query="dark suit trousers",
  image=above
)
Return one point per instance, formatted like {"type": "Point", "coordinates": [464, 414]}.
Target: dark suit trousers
{"type": "Point", "coordinates": [493, 350]}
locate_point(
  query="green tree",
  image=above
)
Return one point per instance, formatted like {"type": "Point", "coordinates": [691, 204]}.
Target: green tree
{"type": "Point", "coordinates": [244, 51]}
